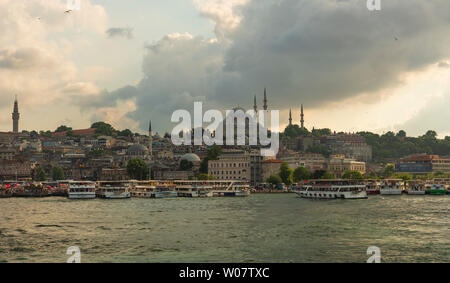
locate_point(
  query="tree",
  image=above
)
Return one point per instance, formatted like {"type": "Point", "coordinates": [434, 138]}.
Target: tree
{"type": "Point", "coordinates": [301, 174]}
{"type": "Point", "coordinates": [327, 176]}
{"type": "Point", "coordinates": [274, 180]}
{"type": "Point", "coordinates": [286, 173]}
{"type": "Point", "coordinates": [57, 173]}
{"type": "Point", "coordinates": [213, 154]}
{"type": "Point", "coordinates": [318, 174]}
{"type": "Point", "coordinates": [125, 133]}
{"type": "Point", "coordinates": [62, 128]}
{"type": "Point", "coordinates": [404, 176]}
{"type": "Point", "coordinates": [206, 177]}
{"type": "Point", "coordinates": [353, 175]}
{"type": "Point", "coordinates": [137, 169]}
{"type": "Point", "coordinates": [186, 165]}
{"type": "Point", "coordinates": [389, 171]}
{"type": "Point", "coordinates": [40, 174]}
{"type": "Point", "coordinates": [102, 128]}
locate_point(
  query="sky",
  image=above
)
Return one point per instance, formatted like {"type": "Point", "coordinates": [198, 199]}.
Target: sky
{"type": "Point", "coordinates": [128, 62]}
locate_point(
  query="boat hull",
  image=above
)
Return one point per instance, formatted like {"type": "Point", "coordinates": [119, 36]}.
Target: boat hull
{"type": "Point", "coordinates": [331, 195]}
{"type": "Point", "coordinates": [112, 195]}
{"type": "Point", "coordinates": [416, 193]}
{"type": "Point", "coordinates": [166, 194]}
{"type": "Point", "coordinates": [81, 195]}
{"type": "Point", "coordinates": [437, 192]}
{"type": "Point", "coordinates": [392, 192]}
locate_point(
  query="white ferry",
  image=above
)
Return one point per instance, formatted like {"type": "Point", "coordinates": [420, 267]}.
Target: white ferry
{"type": "Point", "coordinates": [113, 190]}
{"type": "Point", "coordinates": [81, 190]}
{"type": "Point", "coordinates": [234, 189]}
{"type": "Point", "coordinates": [332, 189]}
{"type": "Point", "coordinates": [193, 189]}
{"type": "Point", "coordinates": [143, 189]}
{"type": "Point", "coordinates": [416, 187]}
{"type": "Point", "coordinates": [391, 187]}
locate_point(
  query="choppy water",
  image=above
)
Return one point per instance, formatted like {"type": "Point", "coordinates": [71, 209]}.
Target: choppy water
{"type": "Point", "coordinates": [260, 228]}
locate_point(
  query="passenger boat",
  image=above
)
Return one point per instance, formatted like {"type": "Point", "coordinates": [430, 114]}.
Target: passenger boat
{"type": "Point", "coordinates": [81, 190]}
{"type": "Point", "coordinates": [372, 187]}
{"type": "Point", "coordinates": [436, 189]}
{"type": "Point", "coordinates": [332, 189]}
{"type": "Point", "coordinates": [5, 191]}
{"type": "Point", "coordinates": [445, 182]}
{"type": "Point", "coordinates": [416, 187]}
{"type": "Point", "coordinates": [31, 190]}
{"type": "Point", "coordinates": [113, 190]}
{"type": "Point", "coordinates": [234, 189]}
{"type": "Point", "coordinates": [165, 191]}
{"type": "Point", "coordinates": [142, 189]}
{"type": "Point", "coordinates": [57, 189]}
{"type": "Point", "coordinates": [391, 187]}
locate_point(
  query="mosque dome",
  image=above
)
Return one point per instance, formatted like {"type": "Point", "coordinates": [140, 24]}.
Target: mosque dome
{"type": "Point", "coordinates": [190, 157]}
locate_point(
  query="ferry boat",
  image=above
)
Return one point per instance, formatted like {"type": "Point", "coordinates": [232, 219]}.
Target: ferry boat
{"type": "Point", "coordinates": [113, 190]}
{"type": "Point", "coordinates": [81, 190]}
{"type": "Point", "coordinates": [332, 189]}
{"type": "Point", "coordinates": [193, 189]}
{"type": "Point", "coordinates": [5, 191]}
{"type": "Point", "coordinates": [31, 190]}
{"type": "Point", "coordinates": [416, 187]}
{"type": "Point", "coordinates": [234, 189]}
{"type": "Point", "coordinates": [142, 189]}
{"type": "Point", "coordinates": [391, 187]}
{"type": "Point", "coordinates": [443, 181]}
{"type": "Point", "coordinates": [372, 187]}
{"type": "Point", "coordinates": [165, 191]}
{"type": "Point", "coordinates": [436, 189]}
{"type": "Point", "coordinates": [58, 188]}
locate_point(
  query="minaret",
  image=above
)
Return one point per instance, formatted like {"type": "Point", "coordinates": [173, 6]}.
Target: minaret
{"type": "Point", "coordinates": [302, 119]}
{"type": "Point", "coordinates": [150, 140]}
{"type": "Point", "coordinates": [16, 116]}
{"type": "Point", "coordinates": [255, 107]}
{"type": "Point", "coordinates": [290, 117]}
{"type": "Point", "coordinates": [265, 99]}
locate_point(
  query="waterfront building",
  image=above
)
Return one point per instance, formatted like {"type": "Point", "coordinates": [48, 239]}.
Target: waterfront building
{"type": "Point", "coordinates": [337, 165]}
{"type": "Point", "coordinates": [231, 165]}
{"type": "Point", "coordinates": [423, 164]}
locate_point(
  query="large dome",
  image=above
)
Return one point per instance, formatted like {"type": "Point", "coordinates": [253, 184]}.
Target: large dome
{"type": "Point", "coordinates": [137, 149]}
{"type": "Point", "coordinates": [191, 157]}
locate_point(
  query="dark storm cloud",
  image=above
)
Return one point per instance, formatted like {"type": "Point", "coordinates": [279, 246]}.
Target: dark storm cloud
{"type": "Point", "coordinates": [311, 52]}
{"type": "Point", "coordinates": [120, 32]}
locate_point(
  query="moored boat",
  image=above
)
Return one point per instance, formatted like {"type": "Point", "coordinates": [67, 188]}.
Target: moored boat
{"type": "Point", "coordinates": [332, 189]}
{"type": "Point", "coordinates": [165, 191]}
{"type": "Point", "coordinates": [372, 187]}
{"type": "Point", "coordinates": [113, 190]}
{"type": "Point", "coordinates": [5, 191]}
{"type": "Point", "coordinates": [415, 187]}
{"type": "Point", "coordinates": [81, 190]}
{"type": "Point", "coordinates": [142, 189]}
{"type": "Point", "coordinates": [391, 187]}
{"type": "Point", "coordinates": [31, 190]}
{"type": "Point", "coordinates": [436, 189]}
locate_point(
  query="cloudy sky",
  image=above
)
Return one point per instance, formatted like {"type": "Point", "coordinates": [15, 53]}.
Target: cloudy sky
{"type": "Point", "coordinates": [126, 62]}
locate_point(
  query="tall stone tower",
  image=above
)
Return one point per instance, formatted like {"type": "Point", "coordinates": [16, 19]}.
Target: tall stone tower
{"type": "Point", "coordinates": [255, 106]}
{"type": "Point", "coordinates": [265, 99]}
{"type": "Point", "coordinates": [16, 116]}
{"type": "Point", "coordinates": [150, 140]}
{"type": "Point", "coordinates": [302, 118]}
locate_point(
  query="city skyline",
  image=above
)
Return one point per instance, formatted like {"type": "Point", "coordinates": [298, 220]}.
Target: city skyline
{"type": "Point", "coordinates": [103, 64]}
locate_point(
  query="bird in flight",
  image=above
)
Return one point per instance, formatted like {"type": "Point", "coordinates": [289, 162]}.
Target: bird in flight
{"type": "Point", "coordinates": [67, 11]}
